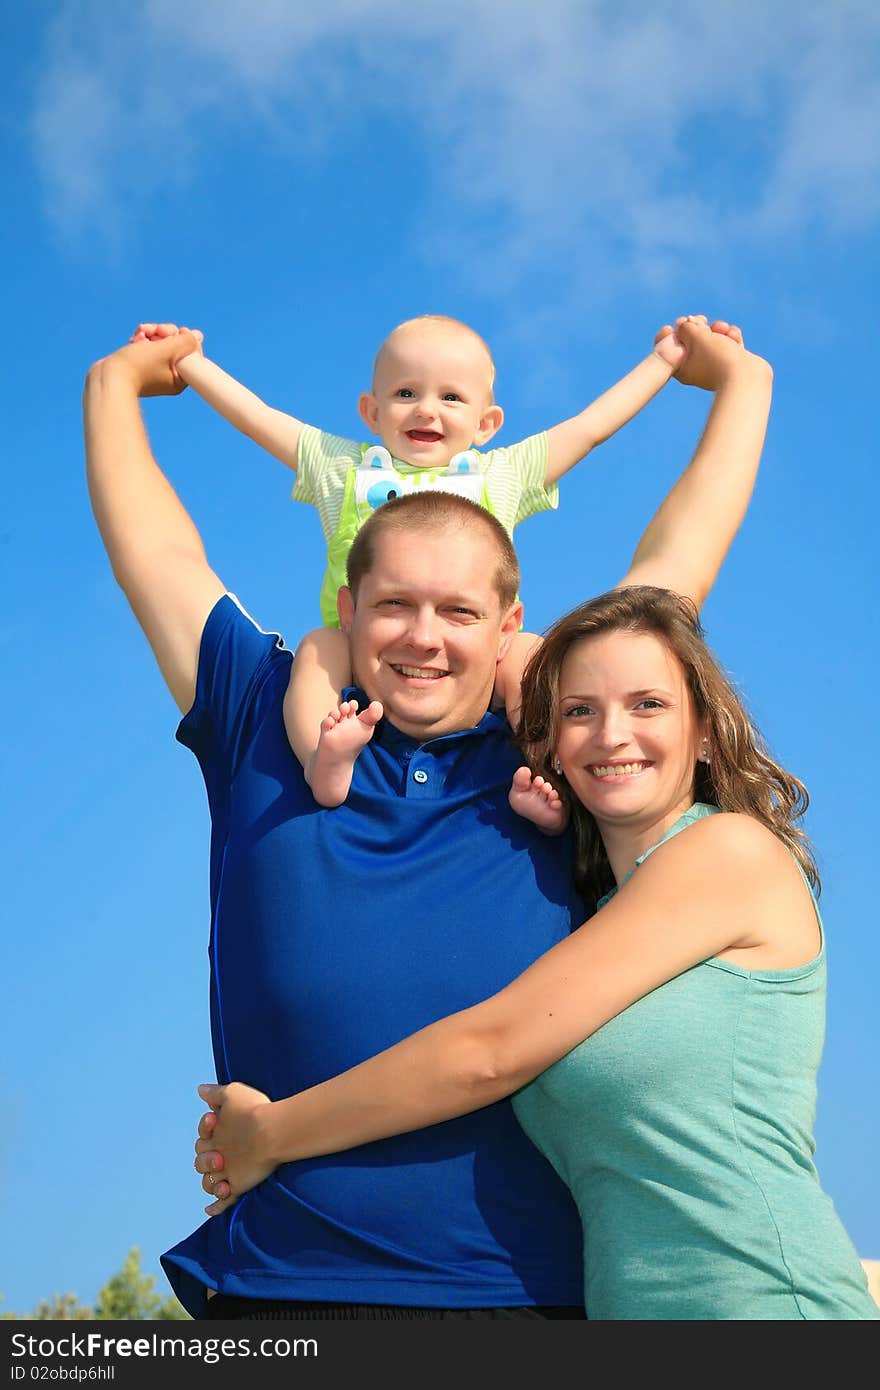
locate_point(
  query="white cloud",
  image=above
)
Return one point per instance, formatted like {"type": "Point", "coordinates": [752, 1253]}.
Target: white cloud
{"type": "Point", "coordinates": [627, 132]}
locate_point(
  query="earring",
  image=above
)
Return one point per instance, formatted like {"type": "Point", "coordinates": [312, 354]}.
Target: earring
{"type": "Point", "coordinates": [704, 756]}
{"type": "Point", "coordinates": [557, 767]}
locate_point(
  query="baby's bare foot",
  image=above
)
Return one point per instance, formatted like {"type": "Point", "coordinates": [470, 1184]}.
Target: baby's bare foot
{"type": "Point", "coordinates": [537, 800]}
{"type": "Point", "coordinates": [343, 734]}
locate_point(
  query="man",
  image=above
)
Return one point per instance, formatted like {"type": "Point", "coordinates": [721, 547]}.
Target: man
{"type": "Point", "coordinates": [333, 934]}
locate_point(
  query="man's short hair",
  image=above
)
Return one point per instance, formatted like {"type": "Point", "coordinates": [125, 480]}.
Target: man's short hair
{"type": "Point", "coordinates": [435, 510]}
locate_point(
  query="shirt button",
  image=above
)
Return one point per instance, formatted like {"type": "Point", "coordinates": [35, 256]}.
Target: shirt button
{"type": "Point", "coordinates": [420, 775]}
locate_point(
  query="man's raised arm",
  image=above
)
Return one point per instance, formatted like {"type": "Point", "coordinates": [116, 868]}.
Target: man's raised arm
{"type": "Point", "coordinates": [155, 550]}
{"type": "Point", "coordinates": [688, 538]}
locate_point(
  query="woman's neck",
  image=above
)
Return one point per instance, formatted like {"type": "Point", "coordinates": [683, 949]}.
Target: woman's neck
{"type": "Point", "coordinates": [625, 842]}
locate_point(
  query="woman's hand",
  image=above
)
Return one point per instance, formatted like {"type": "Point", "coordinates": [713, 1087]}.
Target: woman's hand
{"type": "Point", "coordinates": [232, 1150]}
{"type": "Point", "coordinates": [714, 353]}
{"type": "Point", "coordinates": [672, 345]}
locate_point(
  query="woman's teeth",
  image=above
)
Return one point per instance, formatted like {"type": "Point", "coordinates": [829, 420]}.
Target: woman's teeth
{"type": "Point", "coordinates": [618, 770]}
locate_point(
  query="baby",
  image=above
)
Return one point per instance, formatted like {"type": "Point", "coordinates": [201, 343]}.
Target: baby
{"type": "Point", "coordinates": [432, 405]}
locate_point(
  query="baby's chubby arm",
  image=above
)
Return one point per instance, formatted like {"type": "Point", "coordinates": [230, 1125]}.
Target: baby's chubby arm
{"type": "Point", "coordinates": [572, 440]}
{"type": "Point", "coordinates": [274, 430]}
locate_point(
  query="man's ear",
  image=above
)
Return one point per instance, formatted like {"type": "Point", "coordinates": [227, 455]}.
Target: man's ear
{"type": "Point", "coordinates": [368, 410]}
{"type": "Point", "coordinates": [510, 626]}
{"type": "Point", "coordinates": [345, 608]}
{"type": "Point", "coordinates": [491, 421]}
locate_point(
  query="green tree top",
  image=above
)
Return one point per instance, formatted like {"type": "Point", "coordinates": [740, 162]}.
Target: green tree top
{"type": "Point", "coordinates": [130, 1295]}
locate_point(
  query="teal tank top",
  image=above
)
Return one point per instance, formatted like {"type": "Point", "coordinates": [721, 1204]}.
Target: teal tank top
{"type": "Point", "coordinates": [684, 1129]}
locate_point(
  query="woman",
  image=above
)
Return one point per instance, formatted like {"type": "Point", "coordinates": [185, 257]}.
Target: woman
{"type": "Point", "coordinates": [672, 1042]}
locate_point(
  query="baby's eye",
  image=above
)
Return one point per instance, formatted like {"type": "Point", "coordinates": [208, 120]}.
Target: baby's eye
{"type": "Point", "coordinates": [451, 396]}
{"type": "Point", "coordinates": [405, 393]}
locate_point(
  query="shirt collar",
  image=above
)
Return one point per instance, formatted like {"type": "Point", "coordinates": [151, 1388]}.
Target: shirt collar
{"type": "Point", "coordinates": [398, 742]}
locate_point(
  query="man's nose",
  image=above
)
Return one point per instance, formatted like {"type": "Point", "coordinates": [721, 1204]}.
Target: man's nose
{"type": "Point", "coordinates": [424, 629]}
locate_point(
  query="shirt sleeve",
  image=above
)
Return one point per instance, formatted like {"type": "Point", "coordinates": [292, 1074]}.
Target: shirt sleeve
{"type": "Point", "coordinates": [515, 481]}
{"type": "Point", "coordinates": [322, 464]}
{"type": "Point", "coordinates": [236, 659]}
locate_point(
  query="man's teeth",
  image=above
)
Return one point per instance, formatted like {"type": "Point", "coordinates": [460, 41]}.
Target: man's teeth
{"type": "Point", "coordinates": [420, 672]}
{"type": "Point", "coordinates": [619, 770]}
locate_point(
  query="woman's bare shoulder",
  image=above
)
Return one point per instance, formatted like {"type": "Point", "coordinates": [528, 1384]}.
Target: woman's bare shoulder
{"type": "Point", "coordinates": [731, 851]}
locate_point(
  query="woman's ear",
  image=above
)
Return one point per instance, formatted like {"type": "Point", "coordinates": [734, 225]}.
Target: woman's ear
{"type": "Point", "coordinates": [704, 745]}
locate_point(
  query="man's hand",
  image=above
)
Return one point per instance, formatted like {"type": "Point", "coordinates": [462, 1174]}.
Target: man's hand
{"type": "Point", "coordinates": [158, 332]}
{"type": "Point", "coordinates": [153, 332]}
{"type": "Point", "coordinates": [233, 1142]}
{"type": "Point", "coordinates": [672, 345]}
{"type": "Point", "coordinates": [151, 365]}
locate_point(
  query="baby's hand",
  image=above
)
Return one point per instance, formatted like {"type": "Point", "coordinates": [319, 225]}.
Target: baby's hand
{"type": "Point", "coordinates": [154, 332]}
{"type": "Point", "coordinates": [669, 347]}
{"type": "Point", "coordinates": [537, 800]}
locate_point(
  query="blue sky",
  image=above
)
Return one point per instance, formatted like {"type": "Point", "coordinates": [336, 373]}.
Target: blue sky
{"type": "Point", "coordinates": [565, 177]}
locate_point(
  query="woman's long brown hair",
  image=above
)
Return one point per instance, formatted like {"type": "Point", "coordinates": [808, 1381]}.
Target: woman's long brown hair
{"type": "Point", "coordinates": [741, 776]}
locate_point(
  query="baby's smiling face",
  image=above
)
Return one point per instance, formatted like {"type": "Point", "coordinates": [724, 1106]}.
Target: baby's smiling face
{"type": "Point", "coordinates": [432, 393]}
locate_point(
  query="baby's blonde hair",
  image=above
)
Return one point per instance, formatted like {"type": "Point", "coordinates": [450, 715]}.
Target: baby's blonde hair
{"type": "Point", "coordinates": [440, 320]}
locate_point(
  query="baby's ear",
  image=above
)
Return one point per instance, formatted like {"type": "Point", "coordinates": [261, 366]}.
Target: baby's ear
{"type": "Point", "coordinates": [490, 423]}
{"type": "Point", "coordinates": [368, 410]}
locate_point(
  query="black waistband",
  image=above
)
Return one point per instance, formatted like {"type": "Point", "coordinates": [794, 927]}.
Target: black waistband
{"type": "Point", "coordinates": [223, 1306]}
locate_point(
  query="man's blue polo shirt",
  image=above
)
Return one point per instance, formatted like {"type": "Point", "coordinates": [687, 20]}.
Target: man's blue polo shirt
{"type": "Point", "coordinates": [334, 933]}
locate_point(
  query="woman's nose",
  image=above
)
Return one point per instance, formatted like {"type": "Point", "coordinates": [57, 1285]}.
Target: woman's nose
{"type": "Point", "coordinates": [612, 730]}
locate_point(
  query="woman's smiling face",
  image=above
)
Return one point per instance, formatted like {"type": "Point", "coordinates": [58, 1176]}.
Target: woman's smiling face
{"type": "Point", "coordinates": [628, 736]}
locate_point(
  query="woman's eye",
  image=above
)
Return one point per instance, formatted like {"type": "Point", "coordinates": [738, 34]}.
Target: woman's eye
{"type": "Point", "coordinates": [577, 711]}
{"type": "Point", "coordinates": [649, 704]}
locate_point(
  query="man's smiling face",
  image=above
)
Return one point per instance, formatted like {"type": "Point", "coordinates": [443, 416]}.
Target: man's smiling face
{"type": "Point", "coordinates": [427, 629]}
